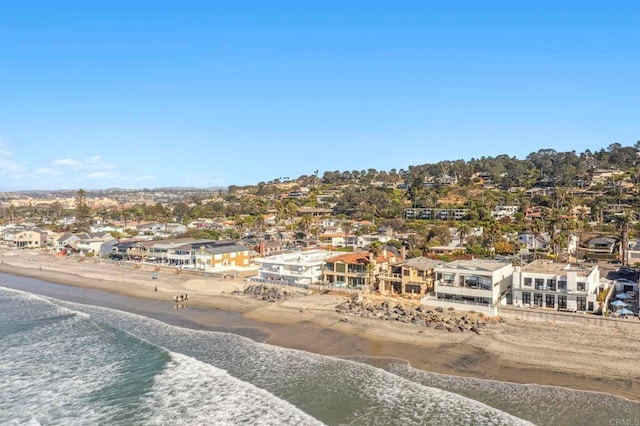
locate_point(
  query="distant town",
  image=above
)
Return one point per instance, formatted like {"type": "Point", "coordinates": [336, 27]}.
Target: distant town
{"type": "Point", "coordinates": [534, 233]}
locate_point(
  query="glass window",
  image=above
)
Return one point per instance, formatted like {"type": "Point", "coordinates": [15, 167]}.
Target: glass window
{"type": "Point", "coordinates": [550, 300]}
{"type": "Point", "coordinates": [562, 302]}
{"type": "Point", "coordinates": [527, 282]}
{"type": "Point", "coordinates": [537, 299]}
{"type": "Point", "coordinates": [526, 297]}
{"type": "Point", "coordinates": [581, 286]}
{"type": "Point", "coordinates": [551, 284]}
{"type": "Point", "coordinates": [539, 283]}
{"type": "Point", "coordinates": [582, 303]}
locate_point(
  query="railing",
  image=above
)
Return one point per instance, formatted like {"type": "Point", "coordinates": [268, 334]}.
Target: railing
{"type": "Point", "coordinates": [395, 277]}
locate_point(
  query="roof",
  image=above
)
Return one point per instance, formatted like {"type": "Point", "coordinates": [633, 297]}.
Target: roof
{"type": "Point", "coordinates": [421, 263]}
{"type": "Point", "coordinates": [356, 258]}
{"type": "Point", "coordinates": [476, 264]}
{"type": "Point", "coordinates": [226, 248]}
{"type": "Point", "coordinates": [542, 266]}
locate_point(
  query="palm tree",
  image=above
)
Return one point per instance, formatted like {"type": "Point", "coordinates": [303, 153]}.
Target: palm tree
{"type": "Point", "coordinates": [624, 222]}
{"type": "Point", "coordinates": [463, 232]}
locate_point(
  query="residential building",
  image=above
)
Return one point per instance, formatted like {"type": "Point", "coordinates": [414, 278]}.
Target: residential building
{"type": "Point", "coordinates": [432, 214]}
{"type": "Point", "coordinates": [221, 255]}
{"type": "Point", "coordinates": [504, 211]}
{"type": "Point", "coordinates": [473, 281]}
{"type": "Point", "coordinates": [30, 238]}
{"type": "Point", "coordinates": [357, 270]}
{"type": "Point", "coordinates": [559, 286]}
{"type": "Point", "coordinates": [412, 276]}
{"type": "Point", "coordinates": [300, 267]}
{"type": "Point", "coordinates": [535, 242]}
{"type": "Point", "coordinates": [92, 243]}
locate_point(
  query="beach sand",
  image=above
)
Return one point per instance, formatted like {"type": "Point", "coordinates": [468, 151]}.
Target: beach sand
{"type": "Point", "coordinates": [578, 357]}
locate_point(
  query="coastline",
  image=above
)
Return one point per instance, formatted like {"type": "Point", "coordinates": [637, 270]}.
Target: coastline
{"type": "Point", "coordinates": [576, 357]}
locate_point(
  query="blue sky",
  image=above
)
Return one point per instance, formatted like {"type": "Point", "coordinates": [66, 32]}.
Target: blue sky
{"type": "Point", "coordinates": [213, 93]}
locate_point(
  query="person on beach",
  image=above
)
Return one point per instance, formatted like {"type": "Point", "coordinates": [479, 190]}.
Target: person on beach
{"type": "Point", "coordinates": [156, 288]}
{"type": "Point", "coordinates": [186, 297]}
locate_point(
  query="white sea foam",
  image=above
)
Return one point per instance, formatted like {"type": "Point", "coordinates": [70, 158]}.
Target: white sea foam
{"type": "Point", "coordinates": [192, 392]}
{"type": "Point", "coordinates": [330, 389]}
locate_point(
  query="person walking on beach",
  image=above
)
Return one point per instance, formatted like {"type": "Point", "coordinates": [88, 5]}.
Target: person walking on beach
{"type": "Point", "coordinates": [156, 288]}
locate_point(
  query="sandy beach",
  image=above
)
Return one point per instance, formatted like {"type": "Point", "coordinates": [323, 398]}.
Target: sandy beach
{"type": "Point", "coordinates": [578, 357]}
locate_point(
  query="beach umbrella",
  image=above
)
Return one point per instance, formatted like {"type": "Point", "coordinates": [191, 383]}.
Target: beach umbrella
{"type": "Point", "coordinates": [623, 296]}
{"type": "Point", "coordinates": [624, 311]}
{"type": "Point", "coordinates": [619, 304]}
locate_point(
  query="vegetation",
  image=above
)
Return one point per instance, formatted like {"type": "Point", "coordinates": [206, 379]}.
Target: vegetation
{"type": "Point", "coordinates": [570, 189]}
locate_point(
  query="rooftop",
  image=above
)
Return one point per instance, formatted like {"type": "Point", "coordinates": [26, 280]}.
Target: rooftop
{"type": "Point", "coordinates": [541, 266]}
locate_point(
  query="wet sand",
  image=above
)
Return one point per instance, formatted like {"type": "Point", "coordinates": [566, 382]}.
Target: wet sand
{"type": "Point", "coordinates": [576, 357]}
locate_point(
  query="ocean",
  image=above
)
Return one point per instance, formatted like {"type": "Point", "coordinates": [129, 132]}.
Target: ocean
{"type": "Point", "coordinates": [69, 363]}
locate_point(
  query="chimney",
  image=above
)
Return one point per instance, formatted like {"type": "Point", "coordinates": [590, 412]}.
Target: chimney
{"type": "Point", "coordinates": [262, 248]}
{"type": "Point", "coordinates": [403, 252]}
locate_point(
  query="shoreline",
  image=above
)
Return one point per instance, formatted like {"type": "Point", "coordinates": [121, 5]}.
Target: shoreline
{"type": "Point", "coordinates": [518, 351]}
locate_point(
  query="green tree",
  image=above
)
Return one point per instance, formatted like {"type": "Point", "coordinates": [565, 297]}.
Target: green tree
{"type": "Point", "coordinates": [82, 211]}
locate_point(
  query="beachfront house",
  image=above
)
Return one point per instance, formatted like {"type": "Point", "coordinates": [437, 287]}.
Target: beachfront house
{"type": "Point", "coordinates": [559, 286]}
{"type": "Point", "coordinates": [356, 270]}
{"type": "Point", "coordinates": [478, 281]}
{"type": "Point", "coordinates": [67, 242]}
{"type": "Point", "coordinates": [413, 276]}
{"type": "Point", "coordinates": [299, 267]}
{"type": "Point", "coordinates": [218, 255]}
{"type": "Point", "coordinates": [92, 243]}
{"type": "Point", "coordinates": [180, 249]}
{"type": "Point", "coordinates": [29, 238]}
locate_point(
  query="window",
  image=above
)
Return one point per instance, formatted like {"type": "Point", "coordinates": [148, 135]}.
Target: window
{"type": "Point", "coordinates": [539, 283]}
{"type": "Point", "coordinates": [537, 299]}
{"type": "Point", "coordinates": [582, 303]}
{"type": "Point", "coordinates": [581, 286]}
{"type": "Point", "coordinates": [406, 272]}
{"type": "Point", "coordinates": [527, 282]}
{"type": "Point", "coordinates": [562, 285]}
{"type": "Point", "coordinates": [562, 302]}
{"type": "Point", "coordinates": [550, 300]}
{"type": "Point", "coordinates": [551, 284]}
{"type": "Point", "coordinates": [526, 298]}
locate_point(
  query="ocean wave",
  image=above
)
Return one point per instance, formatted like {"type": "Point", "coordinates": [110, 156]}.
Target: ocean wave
{"type": "Point", "coordinates": [332, 390]}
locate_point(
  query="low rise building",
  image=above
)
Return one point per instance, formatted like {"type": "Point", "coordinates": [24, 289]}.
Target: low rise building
{"type": "Point", "coordinates": [559, 286]}
{"type": "Point", "coordinates": [479, 281]}
{"type": "Point", "coordinates": [302, 268]}
{"type": "Point", "coordinates": [412, 276]}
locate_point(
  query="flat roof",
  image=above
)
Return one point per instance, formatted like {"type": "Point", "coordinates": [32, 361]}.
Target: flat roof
{"type": "Point", "coordinates": [541, 266]}
{"type": "Point", "coordinates": [475, 264]}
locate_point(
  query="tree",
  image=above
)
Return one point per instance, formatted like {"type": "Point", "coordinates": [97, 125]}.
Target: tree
{"type": "Point", "coordinates": [83, 212]}
{"type": "Point", "coordinates": [463, 232]}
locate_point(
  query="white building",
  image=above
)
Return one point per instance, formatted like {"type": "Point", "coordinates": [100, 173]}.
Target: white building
{"type": "Point", "coordinates": [298, 267]}
{"type": "Point", "coordinates": [504, 211]}
{"type": "Point", "coordinates": [560, 286]}
{"type": "Point", "coordinates": [473, 281]}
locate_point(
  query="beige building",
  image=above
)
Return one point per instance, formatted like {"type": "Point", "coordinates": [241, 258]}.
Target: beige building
{"type": "Point", "coordinates": [413, 276]}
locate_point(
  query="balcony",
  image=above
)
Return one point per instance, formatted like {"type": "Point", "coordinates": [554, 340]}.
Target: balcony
{"type": "Point", "coordinates": [447, 287]}
{"type": "Point", "coordinates": [390, 277]}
